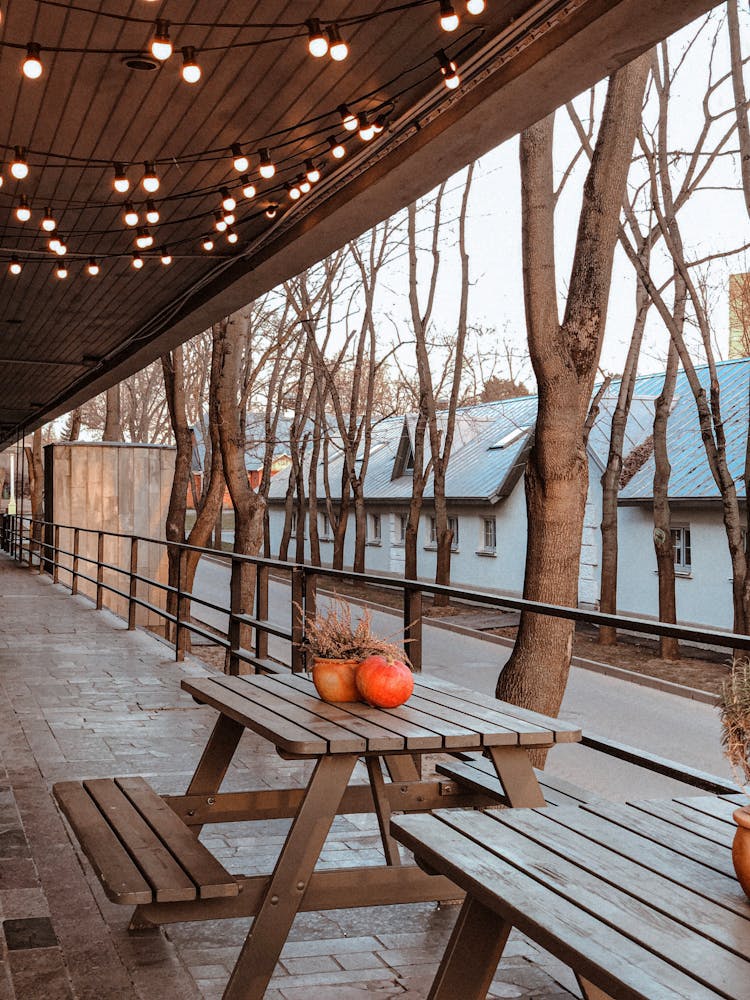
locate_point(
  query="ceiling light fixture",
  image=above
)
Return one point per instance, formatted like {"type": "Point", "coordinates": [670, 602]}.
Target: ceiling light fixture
{"type": "Point", "coordinates": [248, 188]}
{"type": "Point", "coordinates": [475, 6]}
{"type": "Point", "coordinates": [61, 271]}
{"type": "Point", "coordinates": [208, 244]}
{"type": "Point", "coordinates": [448, 16]}
{"type": "Point", "coordinates": [92, 267]}
{"type": "Point", "coordinates": [317, 43]}
{"type": "Point", "coordinates": [267, 169]}
{"type": "Point", "coordinates": [15, 266]}
{"type": "Point", "coordinates": [240, 161]}
{"type": "Point", "coordinates": [23, 211]}
{"type": "Point", "coordinates": [449, 70]}
{"type": "Point", "coordinates": [313, 174]}
{"type": "Point", "coordinates": [130, 216]}
{"type": "Point", "coordinates": [166, 256]}
{"type": "Point", "coordinates": [191, 71]}
{"type": "Point", "coordinates": [228, 202]}
{"type": "Point", "coordinates": [19, 167]}
{"type": "Point", "coordinates": [121, 183]}
{"type": "Point", "coordinates": [48, 223]}
{"type": "Point", "coordinates": [348, 119]}
{"type": "Point", "coordinates": [219, 223]}
{"type": "Point", "coordinates": [161, 45]}
{"type": "Point", "coordinates": [336, 45]}
{"type": "Point", "coordinates": [272, 210]}
{"type": "Point", "coordinates": [137, 261]}
{"type": "Point", "coordinates": [338, 149]}
{"type": "Point", "coordinates": [144, 239]}
{"type": "Point", "coordinates": [152, 213]}
{"type": "Point", "coordinates": [32, 64]}
{"type": "Point", "coordinates": [150, 180]}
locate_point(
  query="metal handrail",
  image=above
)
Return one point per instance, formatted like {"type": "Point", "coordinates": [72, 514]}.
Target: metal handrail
{"type": "Point", "coordinates": [304, 580]}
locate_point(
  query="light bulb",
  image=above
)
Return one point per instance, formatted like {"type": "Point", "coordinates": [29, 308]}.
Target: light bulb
{"type": "Point", "coordinates": [32, 64]}
{"type": "Point", "coordinates": [348, 119]}
{"type": "Point", "coordinates": [137, 261]}
{"type": "Point", "coordinates": [161, 46]}
{"type": "Point", "coordinates": [240, 161]}
{"type": "Point", "coordinates": [294, 191]}
{"type": "Point", "coordinates": [166, 256]}
{"type": "Point", "coordinates": [15, 266]}
{"type": "Point", "coordinates": [61, 272]}
{"type": "Point", "coordinates": [304, 185]}
{"type": "Point", "coordinates": [227, 201]}
{"type": "Point", "coordinates": [228, 217]}
{"type": "Point", "coordinates": [449, 71]}
{"type": "Point", "coordinates": [19, 167]}
{"type": "Point", "coordinates": [61, 247]}
{"type": "Point", "coordinates": [338, 149]}
{"type": "Point", "coordinates": [448, 16]}
{"type": "Point", "coordinates": [150, 181]}
{"type": "Point", "coordinates": [317, 43]}
{"type": "Point", "coordinates": [232, 237]}
{"type": "Point", "coordinates": [92, 267]}
{"type": "Point", "coordinates": [121, 183]}
{"type": "Point", "coordinates": [379, 124]}
{"type": "Point", "coordinates": [152, 213]}
{"type": "Point", "coordinates": [53, 244]}
{"type": "Point", "coordinates": [208, 244]}
{"type": "Point", "coordinates": [130, 216]}
{"type": "Point", "coordinates": [144, 239]}
{"type": "Point", "coordinates": [475, 6]}
{"type": "Point", "coordinates": [272, 210]}
{"type": "Point", "coordinates": [336, 45]}
{"type": "Point", "coordinates": [23, 212]}
{"type": "Point", "coordinates": [1, 180]}
{"type": "Point", "coordinates": [267, 169]}
{"type": "Point", "coordinates": [191, 71]}
{"type": "Point", "coordinates": [312, 172]}
{"type": "Point", "coordinates": [48, 223]}
{"type": "Point", "coordinates": [248, 188]}
{"type": "Point", "coordinates": [220, 224]}
{"type": "Point", "coordinates": [366, 129]}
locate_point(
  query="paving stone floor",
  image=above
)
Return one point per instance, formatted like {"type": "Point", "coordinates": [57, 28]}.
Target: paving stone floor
{"type": "Point", "coordinates": [80, 697]}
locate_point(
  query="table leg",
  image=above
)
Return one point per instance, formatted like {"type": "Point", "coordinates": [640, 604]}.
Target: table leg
{"type": "Point", "coordinates": [382, 810]}
{"type": "Point", "coordinates": [289, 881]}
{"type": "Point", "coordinates": [403, 767]}
{"type": "Point", "coordinates": [517, 776]}
{"type": "Point", "coordinates": [589, 991]}
{"type": "Point", "coordinates": [474, 949]}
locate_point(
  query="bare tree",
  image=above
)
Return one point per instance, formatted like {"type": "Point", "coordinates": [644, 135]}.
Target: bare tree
{"type": "Point", "coordinates": [113, 420]}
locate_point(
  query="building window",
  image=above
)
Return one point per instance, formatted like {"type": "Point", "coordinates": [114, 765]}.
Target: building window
{"type": "Point", "coordinates": [682, 554]}
{"type": "Point", "coordinates": [433, 531]}
{"type": "Point", "coordinates": [293, 523]}
{"type": "Point", "coordinates": [373, 529]}
{"type": "Point", "coordinates": [401, 526]}
{"type": "Point", "coordinates": [452, 526]}
{"type": "Point", "coordinates": [325, 528]}
{"type": "Point", "coordinates": [489, 535]}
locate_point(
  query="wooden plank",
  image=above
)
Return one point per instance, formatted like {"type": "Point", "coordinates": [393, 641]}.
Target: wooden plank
{"type": "Point", "coordinates": [708, 882]}
{"type": "Point", "coordinates": [579, 938]}
{"type": "Point", "coordinates": [115, 870]}
{"type": "Point", "coordinates": [488, 733]}
{"type": "Point", "coordinates": [210, 877]}
{"type": "Point", "coordinates": [279, 731]}
{"type": "Point", "coordinates": [711, 805]}
{"type": "Point", "coordinates": [695, 822]}
{"type": "Point", "coordinates": [703, 960]}
{"type": "Point", "coordinates": [268, 695]}
{"type": "Point", "coordinates": [663, 832]}
{"type": "Point", "coordinates": [637, 877]}
{"type": "Point", "coordinates": [168, 880]}
{"type": "Point", "coordinates": [451, 733]}
{"type": "Point", "coordinates": [563, 732]}
{"type": "Point", "coordinates": [485, 779]}
{"type": "Point", "coordinates": [568, 793]}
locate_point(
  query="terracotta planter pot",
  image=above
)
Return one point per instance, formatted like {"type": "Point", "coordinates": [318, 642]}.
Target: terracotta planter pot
{"type": "Point", "coordinates": [334, 679]}
{"type": "Point", "coordinates": [741, 848]}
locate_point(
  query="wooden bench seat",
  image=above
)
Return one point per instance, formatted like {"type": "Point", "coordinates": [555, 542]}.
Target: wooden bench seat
{"type": "Point", "coordinates": [640, 900]}
{"type": "Point", "coordinates": [478, 773]}
{"type": "Point", "coordinates": [140, 850]}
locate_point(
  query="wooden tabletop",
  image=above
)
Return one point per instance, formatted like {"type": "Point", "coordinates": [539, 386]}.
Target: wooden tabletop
{"type": "Point", "coordinates": [286, 710]}
{"type": "Point", "coordinates": [644, 891]}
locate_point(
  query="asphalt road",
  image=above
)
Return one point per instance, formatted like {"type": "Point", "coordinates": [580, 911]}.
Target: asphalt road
{"type": "Point", "coordinates": [662, 723]}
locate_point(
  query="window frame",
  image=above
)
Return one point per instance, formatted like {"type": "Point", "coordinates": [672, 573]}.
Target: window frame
{"type": "Point", "coordinates": [374, 529]}
{"type": "Point", "coordinates": [682, 544]}
{"type": "Point", "coordinates": [488, 549]}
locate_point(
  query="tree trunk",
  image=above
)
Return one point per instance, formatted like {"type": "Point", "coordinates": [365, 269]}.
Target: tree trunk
{"type": "Point", "coordinates": [444, 536]}
{"type": "Point", "coordinates": [74, 429]}
{"type": "Point", "coordinates": [565, 359]}
{"type": "Point", "coordinates": [360, 521]}
{"type": "Point", "coordinates": [113, 419]}
{"type": "Point", "coordinates": [669, 649]}
{"type": "Point", "coordinates": [35, 466]}
{"type": "Point", "coordinates": [174, 388]}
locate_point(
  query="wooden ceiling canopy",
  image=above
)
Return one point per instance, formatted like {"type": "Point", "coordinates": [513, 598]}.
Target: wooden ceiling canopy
{"type": "Point", "coordinates": [63, 340]}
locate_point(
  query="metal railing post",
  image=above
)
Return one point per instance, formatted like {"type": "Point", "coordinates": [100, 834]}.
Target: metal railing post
{"type": "Point", "coordinates": [133, 589]}
{"type": "Point", "coordinates": [298, 618]}
{"type": "Point", "coordinates": [413, 626]}
{"type": "Point", "coordinates": [235, 608]}
{"type": "Point", "coordinates": [261, 611]}
{"type": "Point", "coordinates": [56, 555]}
{"type": "Point", "coordinates": [99, 570]}
{"type": "Point", "coordinates": [179, 631]}
{"type": "Point", "coordinates": [76, 545]}
{"type": "Point", "coordinates": [40, 544]}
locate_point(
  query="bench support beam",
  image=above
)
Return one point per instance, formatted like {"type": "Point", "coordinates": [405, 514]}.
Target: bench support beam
{"type": "Point", "coordinates": [475, 947]}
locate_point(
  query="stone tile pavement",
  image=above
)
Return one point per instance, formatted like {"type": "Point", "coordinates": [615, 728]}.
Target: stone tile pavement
{"type": "Point", "coordinates": [80, 697]}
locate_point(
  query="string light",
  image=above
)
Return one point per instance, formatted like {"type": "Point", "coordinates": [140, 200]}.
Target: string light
{"type": "Point", "coordinates": [228, 202]}
{"type": "Point", "coordinates": [220, 224]}
{"type": "Point", "coordinates": [121, 183]}
{"type": "Point", "coordinates": [266, 167]}
{"type": "Point", "coordinates": [336, 45]}
{"type": "Point", "coordinates": [130, 216]}
{"type": "Point", "coordinates": [475, 6]}
{"type": "Point", "coordinates": [366, 129]}
{"type": "Point", "coordinates": [348, 119]}
{"type": "Point", "coordinates": [144, 239]}
{"type": "Point", "coordinates": [150, 180]}
{"type": "Point", "coordinates": [161, 45]}
{"type": "Point", "coordinates": [208, 244]}
{"type": "Point", "coordinates": [166, 257]}
{"type": "Point", "coordinates": [53, 244]}
{"type": "Point", "coordinates": [191, 71]}
{"type": "Point", "coordinates": [61, 247]}
{"type": "Point", "coordinates": [152, 213]}
{"type": "Point", "coordinates": [1, 180]}
{"type": "Point", "coordinates": [232, 237]}
{"type": "Point", "coordinates": [338, 149]}
{"type": "Point", "coordinates": [449, 70]}
{"type": "Point", "coordinates": [61, 271]}
{"type": "Point", "coordinates": [137, 261]}
{"type": "Point", "coordinates": [23, 211]}
{"type": "Point", "coordinates": [272, 210]}
{"type": "Point", "coordinates": [294, 191]}
{"type": "Point", "coordinates": [15, 267]}
{"type": "Point", "coordinates": [32, 64]}
{"type": "Point", "coordinates": [312, 172]}
{"type": "Point", "coordinates": [48, 223]}
{"type": "Point", "coordinates": [92, 267]}
{"type": "Point", "coordinates": [379, 124]}
{"type": "Point", "coordinates": [228, 217]}
{"type": "Point", "coordinates": [240, 161]}
{"type": "Point", "coordinates": [448, 16]}
{"type": "Point", "coordinates": [19, 167]}
{"type": "Point", "coordinates": [248, 188]}
{"type": "Point", "coordinates": [303, 184]}
{"type": "Point", "coordinates": [317, 43]}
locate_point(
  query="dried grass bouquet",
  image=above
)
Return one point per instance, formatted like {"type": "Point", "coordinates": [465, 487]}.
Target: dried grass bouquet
{"type": "Point", "coordinates": [735, 720]}
{"type": "Point", "coordinates": [332, 635]}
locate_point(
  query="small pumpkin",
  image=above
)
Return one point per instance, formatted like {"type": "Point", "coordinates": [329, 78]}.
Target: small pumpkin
{"type": "Point", "coordinates": [384, 682]}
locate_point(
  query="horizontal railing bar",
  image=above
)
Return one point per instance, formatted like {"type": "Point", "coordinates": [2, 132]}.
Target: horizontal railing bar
{"type": "Point", "coordinates": [266, 626]}
{"type": "Point", "coordinates": [217, 639]}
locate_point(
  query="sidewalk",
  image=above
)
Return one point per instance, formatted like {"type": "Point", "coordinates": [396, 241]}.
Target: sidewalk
{"type": "Point", "coordinates": [80, 696]}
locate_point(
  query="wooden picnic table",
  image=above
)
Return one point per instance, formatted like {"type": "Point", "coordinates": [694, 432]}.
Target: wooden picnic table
{"type": "Point", "coordinates": [640, 900]}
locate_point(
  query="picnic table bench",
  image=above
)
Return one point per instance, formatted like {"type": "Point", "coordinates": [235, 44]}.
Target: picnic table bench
{"type": "Point", "coordinates": [640, 900]}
